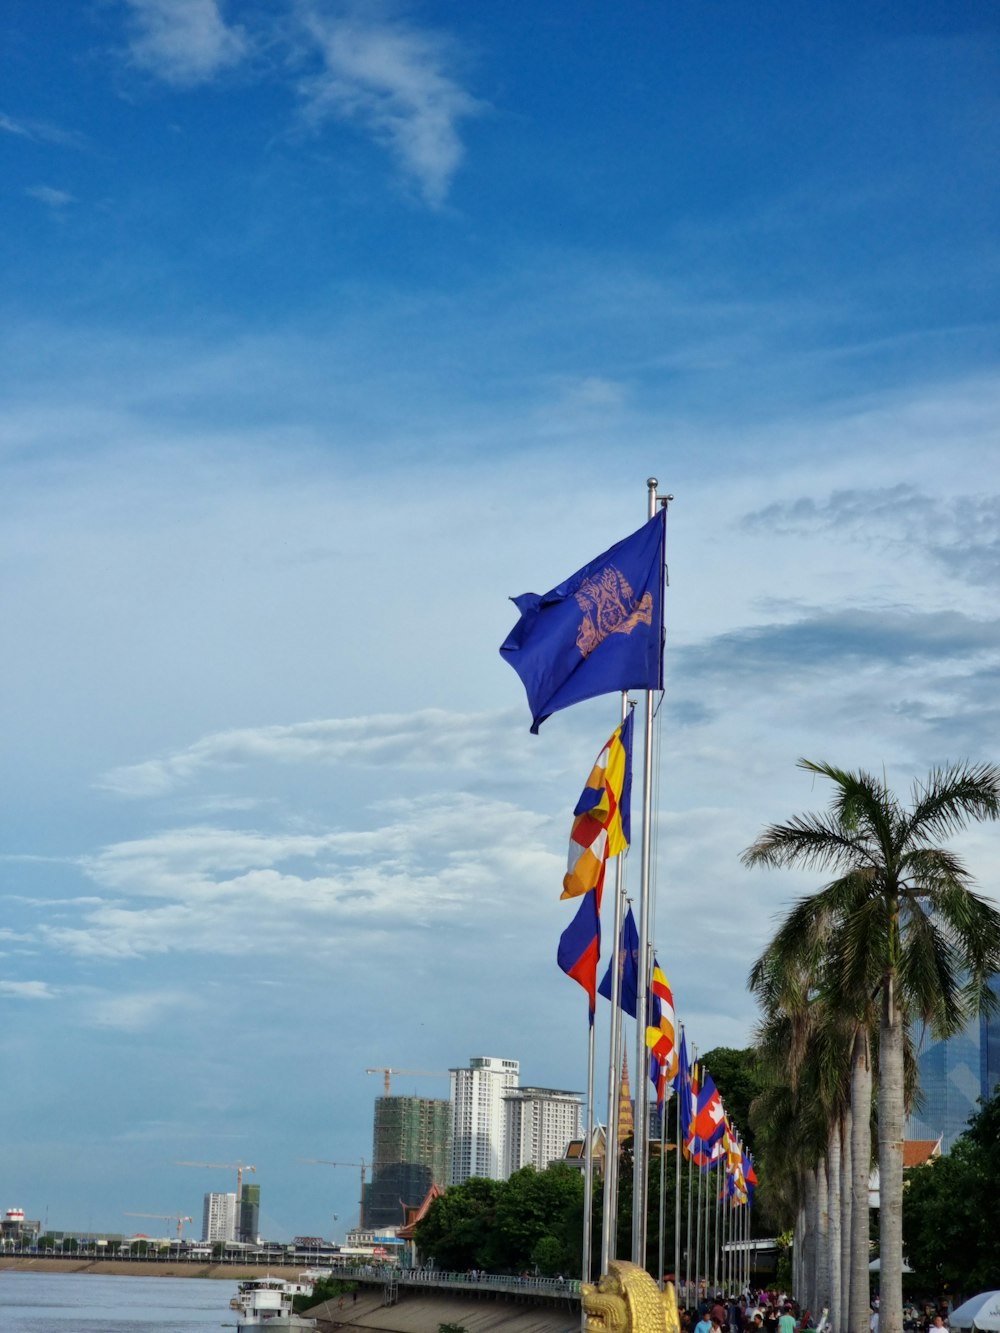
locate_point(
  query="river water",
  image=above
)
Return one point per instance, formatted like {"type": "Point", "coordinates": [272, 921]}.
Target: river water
{"type": "Point", "coordinates": [93, 1303]}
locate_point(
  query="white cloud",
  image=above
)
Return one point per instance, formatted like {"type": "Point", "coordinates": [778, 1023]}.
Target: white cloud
{"type": "Point", "coordinates": [27, 990]}
{"type": "Point", "coordinates": [46, 194]}
{"type": "Point", "coordinates": [135, 1011]}
{"type": "Point", "coordinates": [184, 42]}
{"type": "Point", "coordinates": [426, 738]}
{"type": "Point", "coordinates": [40, 131]}
{"type": "Point", "coordinates": [228, 891]}
{"type": "Point", "coordinates": [393, 80]}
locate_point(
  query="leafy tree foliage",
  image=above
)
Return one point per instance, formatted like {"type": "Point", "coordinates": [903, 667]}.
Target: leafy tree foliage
{"type": "Point", "coordinates": [459, 1224]}
{"type": "Point", "coordinates": [533, 1218]}
{"type": "Point", "coordinates": [951, 1212]}
{"type": "Point", "coordinates": [737, 1075]}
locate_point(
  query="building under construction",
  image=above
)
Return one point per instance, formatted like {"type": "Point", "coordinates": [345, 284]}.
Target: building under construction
{"type": "Point", "coordinates": [410, 1151]}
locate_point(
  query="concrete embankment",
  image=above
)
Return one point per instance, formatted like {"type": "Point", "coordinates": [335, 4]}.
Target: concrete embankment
{"type": "Point", "coordinates": [419, 1311]}
{"type": "Point", "coordinates": [132, 1268]}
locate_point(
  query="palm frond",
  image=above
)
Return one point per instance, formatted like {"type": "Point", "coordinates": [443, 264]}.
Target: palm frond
{"type": "Point", "coordinates": [812, 841]}
{"type": "Point", "coordinates": [953, 797]}
{"type": "Point", "coordinates": [930, 973]}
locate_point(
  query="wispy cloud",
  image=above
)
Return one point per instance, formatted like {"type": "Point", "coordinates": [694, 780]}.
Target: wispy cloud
{"type": "Point", "coordinates": [184, 42]}
{"type": "Point", "coordinates": [41, 131]}
{"type": "Point", "coordinates": [222, 890]}
{"type": "Point", "coordinates": [395, 81]}
{"type": "Point", "coordinates": [27, 990]}
{"type": "Point", "coordinates": [135, 1011]}
{"type": "Point", "coordinates": [959, 532]}
{"type": "Point", "coordinates": [47, 194]}
{"type": "Point", "coordinates": [426, 738]}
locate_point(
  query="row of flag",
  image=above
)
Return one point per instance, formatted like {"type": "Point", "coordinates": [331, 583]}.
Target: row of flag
{"type": "Point", "coordinates": [598, 632]}
{"type": "Point", "coordinates": [601, 830]}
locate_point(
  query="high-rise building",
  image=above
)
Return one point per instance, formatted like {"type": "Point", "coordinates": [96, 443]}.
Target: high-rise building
{"type": "Point", "coordinates": [219, 1218]}
{"type": "Point", "coordinates": [954, 1075]}
{"type": "Point", "coordinates": [411, 1150]}
{"type": "Point", "coordinates": [540, 1122]}
{"type": "Point", "coordinates": [248, 1228]}
{"type": "Point", "coordinates": [477, 1105]}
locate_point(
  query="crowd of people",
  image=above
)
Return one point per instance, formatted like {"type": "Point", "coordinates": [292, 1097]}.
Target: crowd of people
{"type": "Point", "coordinates": [776, 1312]}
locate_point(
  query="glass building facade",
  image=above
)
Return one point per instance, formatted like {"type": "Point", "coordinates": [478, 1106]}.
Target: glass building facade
{"type": "Point", "coordinates": [954, 1076]}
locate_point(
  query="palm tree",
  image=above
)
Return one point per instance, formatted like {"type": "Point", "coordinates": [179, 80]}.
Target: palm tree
{"type": "Point", "coordinates": [805, 1043]}
{"type": "Point", "coordinates": [898, 924]}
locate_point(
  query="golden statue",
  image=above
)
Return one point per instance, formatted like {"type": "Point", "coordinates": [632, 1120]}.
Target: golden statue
{"type": "Point", "coordinates": [627, 1300]}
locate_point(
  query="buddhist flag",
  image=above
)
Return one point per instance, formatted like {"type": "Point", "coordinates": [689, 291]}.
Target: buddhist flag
{"type": "Point", "coordinates": [661, 1035]}
{"type": "Point", "coordinates": [602, 817]}
{"type": "Point", "coordinates": [598, 632]}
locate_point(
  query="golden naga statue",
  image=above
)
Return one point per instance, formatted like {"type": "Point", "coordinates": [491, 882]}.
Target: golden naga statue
{"type": "Point", "coordinates": [627, 1300]}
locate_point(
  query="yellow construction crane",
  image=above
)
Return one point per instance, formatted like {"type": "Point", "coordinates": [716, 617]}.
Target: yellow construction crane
{"type": "Point", "coordinates": [238, 1167]}
{"type": "Point", "coordinates": [417, 1073]}
{"type": "Point", "coordinates": [165, 1217]}
{"type": "Point", "coordinates": [325, 1161]}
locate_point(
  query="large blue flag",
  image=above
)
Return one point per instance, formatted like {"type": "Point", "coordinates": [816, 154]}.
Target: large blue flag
{"type": "Point", "coordinates": [629, 961]}
{"type": "Point", "coordinates": [682, 1086]}
{"type": "Point", "coordinates": [598, 632]}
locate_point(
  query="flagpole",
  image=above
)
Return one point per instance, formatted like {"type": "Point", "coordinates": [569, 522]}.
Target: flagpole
{"type": "Point", "coordinates": [717, 1255]}
{"type": "Point", "coordinates": [641, 1139]}
{"type": "Point", "coordinates": [687, 1265]}
{"type": "Point", "coordinates": [588, 1154]}
{"type": "Point", "coordinates": [677, 1184]}
{"type": "Point", "coordinates": [609, 1218]}
{"type": "Point", "coordinates": [698, 1221]}
{"type": "Point", "coordinates": [663, 1188]}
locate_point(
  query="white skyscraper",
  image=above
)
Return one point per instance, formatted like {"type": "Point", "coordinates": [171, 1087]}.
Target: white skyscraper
{"type": "Point", "coordinates": [478, 1117]}
{"type": "Point", "coordinates": [540, 1123]}
{"type": "Point", "coordinates": [219, 1218]}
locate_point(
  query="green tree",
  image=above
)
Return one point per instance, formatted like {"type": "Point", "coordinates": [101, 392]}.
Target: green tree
{"type": "Point", "coordinates": [532, 1205]}
{"type": "Point", "coordinates": [899, 920]}
{"type": "Point", "coordinates": [459, 1223]}
{"type": "Point", "coordinates": [737, 1075]}
{"type": "Point", "coordinates": [951, 1212]}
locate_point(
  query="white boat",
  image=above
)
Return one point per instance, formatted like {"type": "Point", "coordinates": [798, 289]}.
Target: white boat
{"type": "Point", "coordinates": [266, 1303]}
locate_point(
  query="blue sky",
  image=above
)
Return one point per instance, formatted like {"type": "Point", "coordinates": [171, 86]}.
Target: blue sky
{"type": "Point", "coordinates": [326, 328]}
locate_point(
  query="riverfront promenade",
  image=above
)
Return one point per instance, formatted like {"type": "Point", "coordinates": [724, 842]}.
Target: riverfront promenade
{"type": "Point", "coordinates": [425, 1280]}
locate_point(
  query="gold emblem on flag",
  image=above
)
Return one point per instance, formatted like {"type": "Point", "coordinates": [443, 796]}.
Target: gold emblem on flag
{"type": "Point", "coordinates": [609, 607]}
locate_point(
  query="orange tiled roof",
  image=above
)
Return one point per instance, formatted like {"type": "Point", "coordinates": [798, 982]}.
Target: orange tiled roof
{"type": "Point", "coordinates": [918, 1152]}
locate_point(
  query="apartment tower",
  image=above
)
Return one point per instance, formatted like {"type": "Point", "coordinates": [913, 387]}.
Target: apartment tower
{"type": "Point", "coordinates": [478, 1117]}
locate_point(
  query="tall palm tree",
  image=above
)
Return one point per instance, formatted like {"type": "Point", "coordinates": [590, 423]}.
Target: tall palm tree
{"type": "Point", "coordinates": [900, 924]}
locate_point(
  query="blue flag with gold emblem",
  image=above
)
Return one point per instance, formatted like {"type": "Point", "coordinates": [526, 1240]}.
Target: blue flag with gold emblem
{"type": "Point", "coordinates": [598, 632]}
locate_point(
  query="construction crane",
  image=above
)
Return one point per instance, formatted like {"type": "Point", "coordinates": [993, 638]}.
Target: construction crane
{"type": "Point", "coordinates": [325, 1161]}
{"type": "Point", "coordinates": [417, 1073]}
{"type": "Point", "coordinates": [238, 1167]}
{"type": "Point", "coordinates": [165, 1217]}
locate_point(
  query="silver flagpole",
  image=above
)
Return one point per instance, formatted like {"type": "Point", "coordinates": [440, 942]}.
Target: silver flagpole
{"type": "Point", "coordinates": [697, 1234]}
{"type": "Point", "coordinates": [641, 1140]}
{"type": "Point", "coordinates": [609, 1220]}
{"type": "Point", "coordinates": [687, 1263]}
{"type": "Point", "coordinates": [677, 1182]}
{"type": "Point", "coordinates": [663, 1188]}
{"type": "Point", "coordinates": [588, 1155]}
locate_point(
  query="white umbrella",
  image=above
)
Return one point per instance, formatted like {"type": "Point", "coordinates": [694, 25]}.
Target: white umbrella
{"type": "Point", "coordinates": [876, 1266]}
{"type": "Point", "coordinates": [982, 1311]}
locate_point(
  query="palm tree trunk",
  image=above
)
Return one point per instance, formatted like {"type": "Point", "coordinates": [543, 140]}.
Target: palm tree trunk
{"type": "Point", "coordinates": [861, 1159]}
{"type": "Point", "coordinates": [821, 1296]}
{"type": "Point", "coordinates": [833, 1248]}
{"type": "Point", "coordinates": [890, 1162]}
{"type": "Point", "coordinates": [812, 1232]}
{"type": "Point", "coordinates": [846, 1200]}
